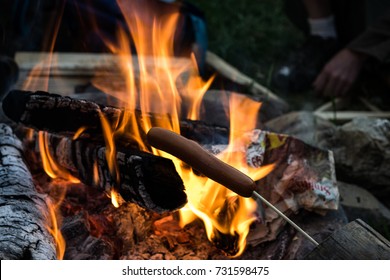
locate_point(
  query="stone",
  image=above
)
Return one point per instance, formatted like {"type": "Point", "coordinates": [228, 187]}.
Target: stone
{"type": "Point", "coordinates": [304, 126]}
{"type": "Point", "coordinates": [361, 150]}
{"type": "Point", "coordinates": [358, 203]}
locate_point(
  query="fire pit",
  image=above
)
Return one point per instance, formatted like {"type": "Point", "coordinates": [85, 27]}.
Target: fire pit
{"type": "Point", "coordinates": [109, 194]}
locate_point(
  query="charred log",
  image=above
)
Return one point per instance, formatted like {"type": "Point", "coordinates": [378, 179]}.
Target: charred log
{"type": "Point", "coordinates": [150, 181]}
{"type": "Point", "coordinates": [59, 114]}
{"type": "Point", "coordinates": [24, 217]}
{"type": "Point", "coordinates": [203, 133]}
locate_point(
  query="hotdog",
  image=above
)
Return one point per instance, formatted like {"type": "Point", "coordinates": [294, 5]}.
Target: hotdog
{"type": "Point", "coordinates": [198, 158]}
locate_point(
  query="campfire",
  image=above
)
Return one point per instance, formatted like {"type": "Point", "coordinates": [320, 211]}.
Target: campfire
{"type": "Point", "coordinates": [109, 193]}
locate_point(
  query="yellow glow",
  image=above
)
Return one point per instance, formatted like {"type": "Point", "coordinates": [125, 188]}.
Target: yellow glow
{"type": "Point", "coordinates": [115, 198]}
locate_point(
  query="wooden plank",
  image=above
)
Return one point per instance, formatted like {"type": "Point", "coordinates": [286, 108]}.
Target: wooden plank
{"type": "Point", "coordinates": [228, 71]}
{"type": "Point", "coordinates": [62, 72]}
{"type": "Point", "coordinates": [64, 84]}
{"type": "Point", "coordinates": [332, 110]}
{"type": "Point", "coordinates": [89, 64]}
{"type": "Point", "coordinates": [345, 116]}
{"type": "Point", "coordinates": [336, 104]}
{"type": "Point", "coordinates": [355, 241]}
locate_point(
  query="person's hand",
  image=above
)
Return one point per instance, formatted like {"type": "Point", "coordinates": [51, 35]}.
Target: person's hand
{"type": "Point", "coordinates": [340, 73]}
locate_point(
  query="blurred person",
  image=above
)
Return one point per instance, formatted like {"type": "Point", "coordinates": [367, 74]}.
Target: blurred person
{"type": "Point", "coordinates": [338, 45]}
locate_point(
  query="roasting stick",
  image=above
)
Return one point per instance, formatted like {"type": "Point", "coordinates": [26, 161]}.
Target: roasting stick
{"type": "Point", "coordinates": [194, 155]}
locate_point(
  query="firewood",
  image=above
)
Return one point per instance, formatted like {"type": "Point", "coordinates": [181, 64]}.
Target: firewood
{"type": "Point", "coordinates": [346, 116]}
{"type": "Point", "coordinates": [65, 115]}
{"type": "Point", "coordinates": [355, 241]}
{"type": "Point", "coordinates": [88, 64]}
{"type": "Point", "coordinates": [337, 111]}
{"type": "Point", "coordinates": [148, 180]}
{"type": "Point", "coordinates": [55, 113]}
{"type": "Point", "coordinates": [24, 214]}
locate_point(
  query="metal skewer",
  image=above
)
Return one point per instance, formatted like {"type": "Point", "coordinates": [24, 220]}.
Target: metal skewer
{"type": "Point", "coordinates": [285, 218]}
{"type": "Point", "coordinates": [194, 155]}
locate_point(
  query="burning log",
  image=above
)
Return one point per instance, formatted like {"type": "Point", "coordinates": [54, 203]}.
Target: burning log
{"type": "Point", "coordinates": [24, 216]}
{"type": "Point", "coordinates": [55, 113]}
{"type": "Point", "coordinates": [59, 114]}
{"type": "Point", "coordinates": [150, 181]}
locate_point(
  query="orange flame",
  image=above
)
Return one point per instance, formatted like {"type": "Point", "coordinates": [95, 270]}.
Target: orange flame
{"type": "Point", "coordinates": [110, 148]}
{"type": "Point", "coordinates": [115, 198]}
{"type": "Point", "coordinates": [79, 132]}
{"type": "Point", "coordinates": [95, 173]}
{"type": "Point", "coordinates": [154, 84]}
{"type": "Point", "coordinates": [109, 138]}
{"type": "Point", "coordinates": [156, 90]}
{"type": "Point", "coordinates": [44, 69]}
{"type": "Point", "coordinates": [54, 227]}
{"type": "Point", "coordinates": [194, 91]}
{"type": "Point", "coordinates": [207, 202]}
{"type": "Point", "coordinates": [53, 169]}
{"type": "Point", "coordinates": [49, 165]}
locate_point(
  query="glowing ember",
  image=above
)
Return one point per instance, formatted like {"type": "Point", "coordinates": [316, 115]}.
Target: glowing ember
{"type": "Point", "coordinates": [115, 198]}
{"type": "Point", "coordinates": [79, 132]}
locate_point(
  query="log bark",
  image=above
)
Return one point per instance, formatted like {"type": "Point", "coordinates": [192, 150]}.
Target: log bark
{"type": "Point", "coordinates": [60, 114]}
{"type": "Point", "coordinates": [24, 217]}
{"type": "Point", "coordinates": [150, 181]}
{"type": "Point", "coordinates": [55, 113]}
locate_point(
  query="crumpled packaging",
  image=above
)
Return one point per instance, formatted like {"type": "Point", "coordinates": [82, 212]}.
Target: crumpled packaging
{"type": "Point", "coordinates": [303, 178]}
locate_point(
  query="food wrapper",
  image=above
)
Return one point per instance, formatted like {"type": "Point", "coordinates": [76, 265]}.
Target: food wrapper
{"type": "Point", "coordinates": [303, 178]}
